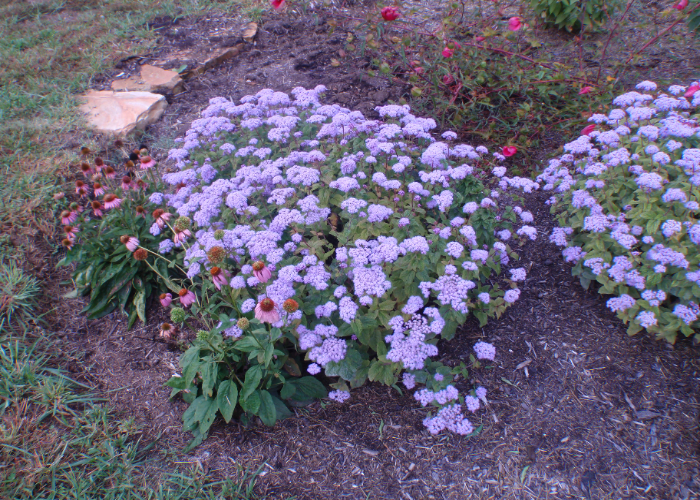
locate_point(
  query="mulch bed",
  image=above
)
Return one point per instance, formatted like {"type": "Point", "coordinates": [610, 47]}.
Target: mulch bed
{"type": "Point", "coordinates": [577, 409]}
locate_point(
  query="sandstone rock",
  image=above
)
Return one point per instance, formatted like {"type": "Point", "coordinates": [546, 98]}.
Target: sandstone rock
{"type": "Point", "coordinates": [151, 79]}
{"type": "Point", "coordinates": [217, 57]}
{"type": "Point", "coordinates": [120, 113]}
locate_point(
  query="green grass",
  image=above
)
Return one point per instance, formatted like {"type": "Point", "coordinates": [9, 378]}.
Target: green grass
{"type": "Point", "coordinates": [58, 438]}
{"type": "Point", "coordinates": [59, 441]}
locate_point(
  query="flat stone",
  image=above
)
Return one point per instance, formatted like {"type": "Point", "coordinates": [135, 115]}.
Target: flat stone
{"type": "Point", "coordinates": [215, 58]}
{"type": "Point", "coordinates": [151, 79]}
{"type": "Point", "coordinates": [120, 113]}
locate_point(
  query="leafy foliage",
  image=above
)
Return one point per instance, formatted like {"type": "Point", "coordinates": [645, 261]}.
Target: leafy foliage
{"type": "Point", "coordinates": [569, 14]}
{"type": "Point", "coordinates": [114, 276]}
{"type": "Point", "coordinates": [328, 242]}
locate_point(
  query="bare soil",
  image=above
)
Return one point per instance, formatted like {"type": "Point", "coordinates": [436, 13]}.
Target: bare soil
{"type": "Point", "coordinates": [577, 409]}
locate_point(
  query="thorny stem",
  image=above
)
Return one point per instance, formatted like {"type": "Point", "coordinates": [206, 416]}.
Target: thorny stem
{"type": "Point", "coordinates": [612, 33]}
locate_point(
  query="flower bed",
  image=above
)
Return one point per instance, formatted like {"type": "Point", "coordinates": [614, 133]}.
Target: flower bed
{"type": "Point", "coordinates": [628, 195]}
{"type": "Point", "coordinates": [315, 240]}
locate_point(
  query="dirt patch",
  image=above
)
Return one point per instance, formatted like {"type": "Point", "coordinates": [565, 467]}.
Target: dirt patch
{"type": "Point", "coordinates": [577, 409]}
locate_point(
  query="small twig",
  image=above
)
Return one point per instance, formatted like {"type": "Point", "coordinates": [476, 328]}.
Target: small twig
{"type": "Point", "coordinates": [612, 32]}
{"type": "Point", "coordinates": [661, 34]}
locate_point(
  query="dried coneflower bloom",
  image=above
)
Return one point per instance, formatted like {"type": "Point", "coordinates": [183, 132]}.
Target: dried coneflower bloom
{"type": "Point", "coordinates": [129, 165]}
{"type": "Point", "coordinates": [85, 150]}
{"type": "Point", "coordinates": [216, 255]}
{"type": "Point", "coordinates": [141, 254]}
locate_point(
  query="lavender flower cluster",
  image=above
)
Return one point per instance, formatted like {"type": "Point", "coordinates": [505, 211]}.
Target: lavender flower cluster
{"type": "Point", "coordinates": [375, 228]}
{"type": "Point", "coordinates": [628, 195]}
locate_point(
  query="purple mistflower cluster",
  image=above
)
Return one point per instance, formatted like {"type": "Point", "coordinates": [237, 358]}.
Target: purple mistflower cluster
{"type": "Point", "coordinates": [626, 198]}
{"type": "Point", "coordinates": [299, 202]}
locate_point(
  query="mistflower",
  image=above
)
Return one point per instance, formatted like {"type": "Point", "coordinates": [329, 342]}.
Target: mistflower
{"type": "Point", "coordinates": [187, 297]}
{"type": "Point", "coordinates": [339, 396]}
{"type": "Point", "coordinates": [646, 319]}
{"type": "Point", "coordinates": [620, 303]}
{"type": "Point", "coordinates": [165, 299]}
{"type": "Point", "coordinates": [484, 350]}
{"type": "Point", "coordinates": [512, 295]}
{"type": "Point", "coordinates": [266, 311]}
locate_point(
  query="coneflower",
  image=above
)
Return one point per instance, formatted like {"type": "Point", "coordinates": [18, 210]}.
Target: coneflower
{"type": "Point", "coordinates": [85, 169]}
{"type": "Point", "coordinates": [219, 277]}
{"type": "Point", "coordinates": [181, 236]}
{"type": "Point", "coordinates": [126, 183]}
{"type": "Point", "coordinates": [266, 311]}
{"type": "Point", "coordinates": [67, 243]}
{"type": "Point", "coordinates": [97, 207]}
{"type": "Point", "coordinates": [85, 150]}
{"type": "Point", "coordinates": [261, 271]}
{"type": "Point", "coordinates": [187, 297]}
{"type": "Point", "coordinates": [167, 330]}
{"type": "Point", "coordinates": [78, 185]}
{"type": "Point", "coordinates": [216, 255]}
{"type": "Point", "coordinates": [140, 211]}
{"type": "Point", "coordinates": [147, 162]}
{"type": "Point", "coordinates": [131, 242]}
{"type": "Point", "coordinates": [68, 217]}
{"type": "Point", "coordinates": [141, 254]}
{"type": "Point", "coordinates": [165, 299]}
{"type": "Point", "coordinates": [290, 305]}
{"type": "Point", "coordinates": [98, 189]}
{"type": "Point", "coordinates": [99, 163]}
{"type": "Point", "coordinates": [141, 184]}
{"type": "Point", "coordinates": [82, 192]}
{"type": "Point", "coordinates": [161, 217]}
{"type": "Point", "coordinates": [74, 207]}
{"type": "Point", "coordinates": [111, 201]}
{"type": "Point", "coordinates": [70, 231]}
{"type": "Point", "coordinates": [129, 165]}
{"type": "Point", "coordinates": [109, 172]}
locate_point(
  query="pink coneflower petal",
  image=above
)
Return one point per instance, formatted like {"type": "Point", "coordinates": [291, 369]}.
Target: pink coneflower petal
{"type": "Point", "coordinates": [126, 183]}
{"type": "Point", "coordinates": [187, 297]}
{"type": "Point", "coordinates": [68, 217]}
{"type": "Point", "coordinates": [98, 189]}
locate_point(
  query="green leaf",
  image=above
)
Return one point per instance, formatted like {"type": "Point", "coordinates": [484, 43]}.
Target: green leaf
{"type": "Point", "coordinates": [267, 412]}
{"type": "Point", "coordinates": [251, 404]}
{"type": "Point", "coordinates": [288, 390]}
{"type": "Point", "coordinates": [281, 409]}
{"type": "Point", "coordinates": [308, 388]}
{"type": "Point", "coordinates": [210, 371]}
{"type": "Point", "coordinates": [226, 398]}
{"type": "Point", "coordinates": [252, 380]}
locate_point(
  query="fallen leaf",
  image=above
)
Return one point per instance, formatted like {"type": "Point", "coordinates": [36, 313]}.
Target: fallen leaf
{"type": "Point", "coordinates": [335, 62]}
{"type": "Point", "coordinates": [523, 364]}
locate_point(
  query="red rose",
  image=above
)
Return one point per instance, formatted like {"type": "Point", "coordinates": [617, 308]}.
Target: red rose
{"type": "Point", "coordinates": [390, 13]}
{"type": "Point", "coordinates": [509, 151]}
